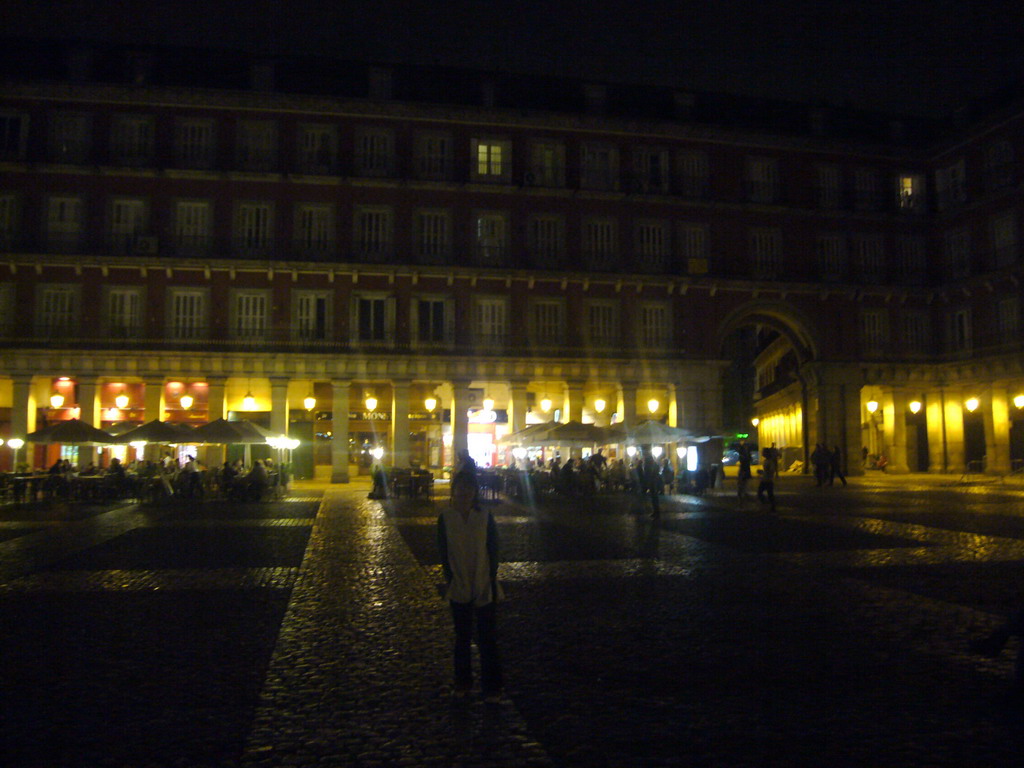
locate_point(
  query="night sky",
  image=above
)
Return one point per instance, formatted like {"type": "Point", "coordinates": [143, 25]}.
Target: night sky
{"type": "Point", "coordinates": [915, 56]}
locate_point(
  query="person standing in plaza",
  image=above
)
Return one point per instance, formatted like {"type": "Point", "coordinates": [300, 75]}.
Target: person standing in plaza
{"type": "Point", "coordinates": [467, 539]}
{"type": "Point", "coordinates": [743, 470]}
{"type": "Point", "coordinates": [769, 471]}
{"type": "Point", "coordinates": [650, 480]}
{"type": "Point", "coordinates": [835, 466]}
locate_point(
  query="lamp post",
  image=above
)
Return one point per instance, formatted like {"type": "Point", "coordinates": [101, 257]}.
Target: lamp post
{"type": "Point", "coordinates": [15, 443]}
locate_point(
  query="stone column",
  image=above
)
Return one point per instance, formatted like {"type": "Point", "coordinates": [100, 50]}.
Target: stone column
{"type": "Point", "coordinates": [460, 419]}
{"type": "Point", "coordinates": [23, 407]}
{"type": "Point", "coordinates": [339, 432]}
{"type": "Point", "coordinates": [935, 422]}
{"type": "Point", "coordinates": [894, 416]}
{"type": "Point", "coordinates": [997, 430]}
{"type": "Point", "coordinates": [837, 419]}
{"type": "Point", "coordinates": [627, 404]}
{"type": "Point", "coordinates": [89, 406]}
{"type": "Point", "coordinates": [517, 405]}
{"type": "Point", "coordinates": [279, 405]}
{"type": "Point", "coordinates": [955, 434]}
{"type": "Point", "coordinates": [216, 397]}
{"type": "Point", "coordinates": [574, 402]}
{"type": "Point", "coordinates": [400, 423]}
{"type": "Point", "coordinates": [153, 396]}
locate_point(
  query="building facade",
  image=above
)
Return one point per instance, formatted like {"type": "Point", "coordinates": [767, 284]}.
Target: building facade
{"type": "Point", "coordinates": [425, 261]}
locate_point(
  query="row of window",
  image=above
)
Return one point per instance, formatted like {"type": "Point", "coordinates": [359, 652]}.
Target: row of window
{"type": "Point", "coordinates": [372, 318]}
{"type": "Point", "coordinates": [656, 242]}
{"type": "Point", "coordinates": [602, 165]}
{"type": "Point", "coordinates": [915, 332]}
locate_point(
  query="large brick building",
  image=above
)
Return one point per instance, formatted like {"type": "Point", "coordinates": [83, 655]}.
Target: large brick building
{"type": "Point", "coordinates": [363, 255]}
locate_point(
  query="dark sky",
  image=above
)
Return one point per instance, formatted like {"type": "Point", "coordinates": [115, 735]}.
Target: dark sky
{"type": "Point", "coordinates": [918, 56]}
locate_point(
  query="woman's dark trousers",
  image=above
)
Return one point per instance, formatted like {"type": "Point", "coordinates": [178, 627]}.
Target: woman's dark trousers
{"type": "Point", "coordinates": [486, 640]}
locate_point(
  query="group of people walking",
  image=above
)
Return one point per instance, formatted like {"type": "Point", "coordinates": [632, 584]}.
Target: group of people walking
{"type": "Point", "coordinates": [828, 465]}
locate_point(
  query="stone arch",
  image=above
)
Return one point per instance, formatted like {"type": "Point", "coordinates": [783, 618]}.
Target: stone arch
{"type": "Point", "coordinates": [781, 317]}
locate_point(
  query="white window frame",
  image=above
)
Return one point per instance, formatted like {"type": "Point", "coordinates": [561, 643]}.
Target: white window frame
{"type": "Point", "coordinates": [547, 164]}
{"type": "Point", "coordinates": [652, 240]}
{"type": "Point", "coordinates": [547, 239]}
{"type": "Point", "coordinates": [654, 324]}
{"type": "Point", "coordinates": [254, 227]}
{"type": "Point", "coordinates": [491, 160]}
{"type": "Point", "coordinates": [874, 330]}
{"type": "Point", "coordinates": [250, 314]}
{"type": "Point", "coordinates": [123, 311]}
{"type": "Point", "coordinates": [381, 331]}
{"type": "Point", "coordinates": [651, 169]}
{"type": "Point", "coordinates": [432, 233]}
{"type": "Point", "coordinates": [375, 152]}
{"type": "Point", "coordinates": [256, 145]}
{"type": "Point", "coordinates": [490, 237]}
{"type": "Point", "coordinates": [58, 310]}
{"type": "Point", "coordinates": [129, 221]}
{"type": "Point", "coordinates": [599, 166]}
{"type": "Point", "coordinates": [307, 325]}
{"type": "Point", "coordinates": [373, 232]}
{"type": "Point", "coordinates": [428, 337]}
{"type": "Point", "coordinates": [314, 230]}
{"type": "Point", "coordinates": [317, 148]}
{"type": "Point", "coordinates": [603, 324]}
{"type": "Point", "coordinates": [195, 142]}
{"type": "Point", "coordinates": [547, 322]}
{"type": "Point", "coordinates": [132, 139]}
{"type": "Point", "coordinates": [490, 321]}
{"type": "Point", "coordinates": [188, 313]}
{"type": "Point", "coordinates": [601, 241]}
{"type": "Point", "coordinates": [193, 226]}
{"type": "Point", "coordinates": [434, 155]}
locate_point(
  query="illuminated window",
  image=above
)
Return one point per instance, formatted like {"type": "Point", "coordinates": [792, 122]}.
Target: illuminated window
{"type": "Point", "coordinates": [492, 160]}
{"type": "Point", "coordinates": [910, 192]}
{"type": "Point", "coordinates": [490, 233]}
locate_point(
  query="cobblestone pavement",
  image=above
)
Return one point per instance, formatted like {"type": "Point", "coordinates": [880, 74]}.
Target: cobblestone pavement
{"type": "Point", "coordinates": [832, 633]}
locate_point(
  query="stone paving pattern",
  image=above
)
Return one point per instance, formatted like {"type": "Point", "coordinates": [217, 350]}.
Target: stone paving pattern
{"type": "Point", "coordinates": [833, 633]}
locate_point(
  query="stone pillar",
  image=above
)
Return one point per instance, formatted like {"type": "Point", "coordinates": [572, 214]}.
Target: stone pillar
{"type": "Point", "coordinates": [517, 405]}
{"type": "Point", "coordinates": [89, 408]}
{"type": "Point", "coordinates": [894, 417]}
{"type": "Point", "coordinates": [835, 397]}
{"type": "Point", "coordinates": [460, 419]}
{"type": "Point", "coordinates": [627, 404]}
{"type": "Point", "coordinates": [997, 430]}
{"type": "Point", "coordinates": [400, 423]}
{"type": "Point", "coordinates": [279, 405]}
{"type": "Point", "coordinates": [935, 421]}
{"type": "Point", "coordinates": [153, 396]}
{"type": "Point", "coordinates": [574, 402]}
{"type": "Point", "coordinates": [339, 432]}
{"type": "Point", "coordinates": [217, 397]}
{"type": "Point", "coordinates": [23, 407]}
{"type": "Point", "coordinates": [955, 454]}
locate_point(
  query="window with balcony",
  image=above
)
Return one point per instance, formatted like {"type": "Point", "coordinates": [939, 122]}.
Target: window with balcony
{"type": "Point", "coordinates": [193, 222]}
{"type": "Point", "coordinates": [131, 140]}
{"type": "Point", "coordinates": [64, 223]}
{"type": "Point", "coordinates": [831, 256]}
{"type": "Point", "coordinates": [1000, 172]}
{"type": "Point", "coordinates": [693, 247]}
{"type": "Point", "coordinates": [1005, 250]}
{"type": "Point", "coordinates": [124, 312]}
{"type": "Point", "coordinates": [655, 325]}
{"type": "Point", "coordinates": [433, 156]}
{"type": "Point", "coordinates": [10, 223]}
{"type": "Point", "coordinates": [910, 192]}
{"type": "Point", "coordinates": [865, 189]}
{"type": "Point", "coordinates": [254, 228]}
{"type": "Point", "coordinates": [650, 170]}
{"type": "Point", "coordinates": [913, 266]}
{"type": "Point", "coordinates": [433, 320]}
{"type": "Point", "coordinates": [314, 230]}
{"type": "Point", "coordinates": [70, 135]}
{"type": "Point", "coordinates": [602, 325]}
{"type": "Point", "coordinates": [957, 246]}
{"type": "Point", "coordinates": [960, 338]}
{"type": "Point", "coordinates": [129, 222]}
{"type": "Point", "coordinates": [600, 243]}
{"type": "Point", "coordinates": [490, 320]}
{"type": "Point", "coordinates": [547, 165]}
{"type": "Point", "coordinates": [763, 184]}
{"type": "Point", "coordinates": [830, 187]}
{"type": "Point", "coordinates": [951, 185]}
{"type": "Point", "coordinates": [651, 245]}
{"type": "Point", "coordinates": [874, 332]}
{"type": "Point", "coordinates": [57, 311]}
{"type": "Point", "coordinates": [194, 144]}
{"type": "Point", "coordinates": [547, 240]}
{"type": "Point", "coordinates": [312, 315]}
{"type": "Point", "coordinates": [13, 135]}
{"type": "Point", "coordinates": [249, 315]}
{"type": "Point", "coordinates": [870, 257]}
{"type": "Point", "coordinates": [547, 322]}
{"type": "Point", "coordinates": [317, 151]}
{"type": "Point", "coordinates": [187, 310]}
{"type": "Point", "coordinates": [433, 233]}
{"type": "Point", "coordinates": [599, 167]}
{"type": "Point", "coordinates": [256, 145]}
{"type": "Point", "coordinates": [766, 252]}
{"type": "Point", "coordinates": [374, 319]}
{"type": "Point", "coordinates": [375, 152]}
{"type": "Point", "coordinates": [490, 233]}
{"type": "Point", "coordinates": [1008, 318]}
{"type": "Point", "coordinates": [492, 160]}
{"type": "Point", "coordinates": [373, 233]}
{"type": "Point", "coordinates": [692, 175]}
{"type": "Point", "coordinates": [916, 331]}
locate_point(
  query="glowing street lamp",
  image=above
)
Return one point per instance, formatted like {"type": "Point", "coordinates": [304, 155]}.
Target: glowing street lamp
{"type": "Point", "coordinates": [755, 421]}
{"type": "Point", "coordinates": [15, 443]}
{"type": "Point", "coordinates": [1019, 401]}
{"type": "Point", "coordinates": [56, 400]}
{"type": "Point", "coordinates": [545, 404]}
{"type": "Point", "coordinates": [915, 406]}
{"type": "Point", "coordinates": [872, 406]}
{"type": "Point", "coordinates": [186, 401]}
{"type": "Point", "coordinates": [653, 405]}
{"type": "Point", "coordinates": [656, 451]}
{"type": "Point", "coordinates": [430, 404]}
{"type": "Point", "coordinates": [122, 401]}
{"type": "Point", "coordinates": [371, 403]}
{"type": "Point", "coordinates": [310, 402]}
{"type": "Point", "coordinates": [971, 404]}
{"type": "Point", "coordinates": [488, 403]}
{"type": "Point", "coordinates": [249, 402]}
{"type": "Point", "coordinates": [600, 405]}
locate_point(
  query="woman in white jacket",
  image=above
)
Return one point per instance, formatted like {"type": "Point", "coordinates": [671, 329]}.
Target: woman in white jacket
{"type": "Point", "coordinates": [467, 539]}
